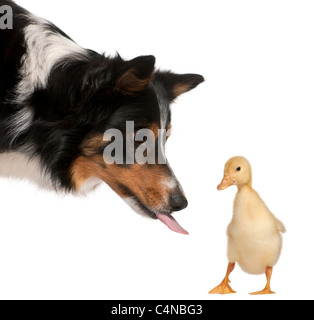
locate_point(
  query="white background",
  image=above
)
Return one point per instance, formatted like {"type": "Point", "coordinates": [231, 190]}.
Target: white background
{"type": "Point", "coordinates": [258, 101]}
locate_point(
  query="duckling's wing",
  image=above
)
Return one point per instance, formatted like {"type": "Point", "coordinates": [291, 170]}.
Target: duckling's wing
{"type": "Point", "coordinates": [280, 226]}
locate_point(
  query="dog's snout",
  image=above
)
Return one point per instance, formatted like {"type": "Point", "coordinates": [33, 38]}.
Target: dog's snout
{"type": "Point", "coordinates": [178, 202]}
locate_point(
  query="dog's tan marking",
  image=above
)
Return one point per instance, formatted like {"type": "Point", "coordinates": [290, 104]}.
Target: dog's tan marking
{"type": "Point", "coordinates": [130, 84]}
{"type": "Point", "coordinates": [147, 182]}
{"type": "Point", "coordinates": [92, 144]}
{"type": "Point", "coordinates": [180, 88]}
{"type": "Point", "coordinates": [154, 127]}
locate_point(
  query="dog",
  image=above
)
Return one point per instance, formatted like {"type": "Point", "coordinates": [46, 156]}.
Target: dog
{"type": "Point", "coordinates": [58, 99]}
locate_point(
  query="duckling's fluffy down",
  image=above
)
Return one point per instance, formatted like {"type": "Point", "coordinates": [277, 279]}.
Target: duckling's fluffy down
{"type": "Point", "coordinates": [254, 234]}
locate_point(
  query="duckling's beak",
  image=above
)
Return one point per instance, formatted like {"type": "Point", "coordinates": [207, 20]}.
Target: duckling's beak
{"type": "Point", "coordinates": [225, 183]}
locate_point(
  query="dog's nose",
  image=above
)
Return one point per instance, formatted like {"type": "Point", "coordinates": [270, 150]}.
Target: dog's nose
{"type": "Point", "coordinates": [178, 202]}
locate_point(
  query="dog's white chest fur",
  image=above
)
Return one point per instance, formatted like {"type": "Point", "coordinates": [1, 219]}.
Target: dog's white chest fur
{"type": "Point", "coordinates": [17, 166]}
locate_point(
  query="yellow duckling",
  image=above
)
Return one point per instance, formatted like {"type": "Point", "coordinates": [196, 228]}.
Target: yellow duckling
{"type": "Point", "coordinates": [254, 234]}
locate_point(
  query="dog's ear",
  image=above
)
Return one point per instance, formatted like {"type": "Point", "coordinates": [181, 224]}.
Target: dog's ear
{"type": "Point", "coordinates": [177, 84]}
{"type": "Point", "coordinates": [126, 77]}
{"type": "Point", "coordinates": [135, 75]}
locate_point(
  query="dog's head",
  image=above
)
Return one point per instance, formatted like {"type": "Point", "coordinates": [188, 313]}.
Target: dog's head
{"type": "Point", "coordinates": [126, 146]}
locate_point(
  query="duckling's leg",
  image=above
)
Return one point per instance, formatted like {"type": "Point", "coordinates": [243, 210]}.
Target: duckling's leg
{"type": "Point", "coordinates": [269, 272]}
{"type": "Point", "coordinates": [224, 287]}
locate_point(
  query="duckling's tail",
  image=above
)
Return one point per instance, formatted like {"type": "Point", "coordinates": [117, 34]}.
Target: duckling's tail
{"type": "Point", "coordinates": [281, 227]}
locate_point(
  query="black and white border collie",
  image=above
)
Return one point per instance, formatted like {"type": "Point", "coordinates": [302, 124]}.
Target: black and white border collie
{"type": "Point", "coordinates": [56, 101]}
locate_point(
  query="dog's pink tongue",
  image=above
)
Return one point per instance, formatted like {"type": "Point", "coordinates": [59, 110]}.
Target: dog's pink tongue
{"type": "Point", "coordinates": [171, 223]}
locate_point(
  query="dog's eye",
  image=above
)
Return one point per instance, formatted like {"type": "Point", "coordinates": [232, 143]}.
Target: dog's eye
{"type": "Point", "coordinates": [139, 142]}
{"type": "Point", "coordinates": [238, 169]}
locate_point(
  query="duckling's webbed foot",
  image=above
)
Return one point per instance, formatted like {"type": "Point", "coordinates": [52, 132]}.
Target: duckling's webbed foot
{"type": "Point", "coordinates": [265, 291]}
{"type": "Point", "coordinates": [269, 271]}
{"type": "Point", "coordinates": [224, 287]}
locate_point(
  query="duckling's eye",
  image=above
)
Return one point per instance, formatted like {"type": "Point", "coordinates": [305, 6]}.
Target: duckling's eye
{"type": "Point", "coordinates": [238, 169]}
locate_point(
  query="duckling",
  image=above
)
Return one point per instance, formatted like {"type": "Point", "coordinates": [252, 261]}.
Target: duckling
{"type": "Point", "coordinates": [254, 234]}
